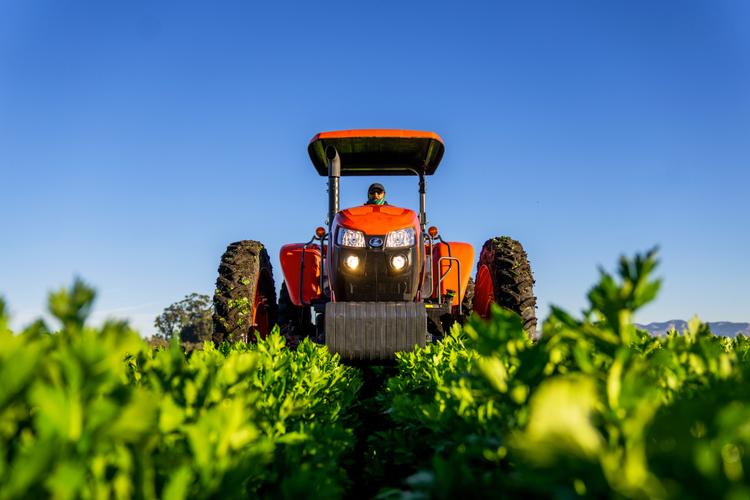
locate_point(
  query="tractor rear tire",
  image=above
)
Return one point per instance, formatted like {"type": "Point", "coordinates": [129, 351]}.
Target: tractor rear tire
{"type": "Point", "coordinates": [504, 277]}
{"type": "Point", "coordinates": [245, 295]}
{"type": "Point", "coordinates": [295, 322]}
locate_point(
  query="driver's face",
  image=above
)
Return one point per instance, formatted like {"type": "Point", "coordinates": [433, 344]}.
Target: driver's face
{"type": "Point", "coordinates": [376, 194]}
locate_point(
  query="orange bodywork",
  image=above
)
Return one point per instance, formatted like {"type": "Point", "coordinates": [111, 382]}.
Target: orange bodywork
{"type": "Point", "coordinates": [377, 219]}
{"type": "Point", "coordinates": [291, 260]}
{"type": "Point", "coordinates": [464, 252]}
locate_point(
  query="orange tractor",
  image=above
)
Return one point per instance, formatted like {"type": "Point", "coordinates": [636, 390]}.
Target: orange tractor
{"type": "Point", "coordinates": [376, 280]}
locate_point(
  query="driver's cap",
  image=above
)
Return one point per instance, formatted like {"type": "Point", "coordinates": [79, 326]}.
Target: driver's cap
{"type": "Point", "coordinates": [375, 185]}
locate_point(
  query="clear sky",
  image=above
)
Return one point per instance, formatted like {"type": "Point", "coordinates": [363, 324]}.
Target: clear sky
{"type": "Point", "coordinates": [138, 139]}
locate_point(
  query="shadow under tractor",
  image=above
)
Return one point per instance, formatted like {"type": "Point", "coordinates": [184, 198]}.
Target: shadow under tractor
{"type": "Point", "coordinates": [376, 280]}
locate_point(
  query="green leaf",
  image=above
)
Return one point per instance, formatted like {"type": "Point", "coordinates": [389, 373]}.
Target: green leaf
{"type": "Point", "coordinates": [560, 421]}
{"type": "Point", "coordinates": [72, 306]}
{"type": "Point", "coordinates": [4, 329]}
{"type": "Point", "coordinates": [178, 486]}
{"type": "Point", "coordinates": [67, 480]}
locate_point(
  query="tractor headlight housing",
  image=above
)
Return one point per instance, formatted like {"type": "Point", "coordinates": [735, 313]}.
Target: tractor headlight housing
{"type": "Point", "coordinates": [398, 262]}
{"type": "Point", "coordinates": [351, 238]}
{"type": "Point", "coordinates": [401, 238]}
{"type": "Point", "coordinates": [352, 262]}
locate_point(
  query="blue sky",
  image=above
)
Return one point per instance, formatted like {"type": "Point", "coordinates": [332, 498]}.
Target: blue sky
{"type": "Point", "coordinates": [138, 139]}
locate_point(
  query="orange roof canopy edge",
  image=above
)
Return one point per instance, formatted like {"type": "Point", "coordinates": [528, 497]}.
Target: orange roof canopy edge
{"type": "Point", "coordinates": [377, 132]}
{"type": "Point", "coordinates": [379, 151]}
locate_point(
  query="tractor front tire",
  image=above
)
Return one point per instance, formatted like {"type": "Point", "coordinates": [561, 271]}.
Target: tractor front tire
{"type": "Point", "coordinates": [504, 277]}
{"type": "Point", "coordinates": [245, 295]}
{"type": "Point", "coordinates": [295, 322]}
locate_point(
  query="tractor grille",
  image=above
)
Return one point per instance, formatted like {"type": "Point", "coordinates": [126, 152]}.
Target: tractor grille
{"type": "Point", "coordinates": [374, 331]}
{"type": "Point", "coordinates": [375, 279]}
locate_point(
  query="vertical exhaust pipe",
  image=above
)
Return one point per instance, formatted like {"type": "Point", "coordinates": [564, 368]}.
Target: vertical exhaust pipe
{"type": "Point", "coordinates": [334, 172]}
{"type": "Point", "coordinates": [422, 210]}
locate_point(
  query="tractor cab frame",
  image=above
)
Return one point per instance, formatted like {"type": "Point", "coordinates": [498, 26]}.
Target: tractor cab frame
{"type": "Point", "coordinates": [375, 152]}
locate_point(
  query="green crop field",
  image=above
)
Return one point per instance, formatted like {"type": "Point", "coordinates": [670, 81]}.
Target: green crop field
{"type": "Point", "coordinates": [594, 408]}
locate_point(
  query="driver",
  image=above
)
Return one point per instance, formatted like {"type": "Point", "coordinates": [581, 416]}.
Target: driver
{"type": "Point", "coordinates": [376, 194]}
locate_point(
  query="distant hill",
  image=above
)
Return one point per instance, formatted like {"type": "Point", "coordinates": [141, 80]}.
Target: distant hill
{"type": "Point", "coordinates": [723, 328]}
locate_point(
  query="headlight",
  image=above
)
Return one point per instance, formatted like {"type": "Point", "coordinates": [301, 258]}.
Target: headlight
{"type": "Point", "coordinates": [401, 238]}
{"type": "Point", "coordinates": [352, 262]}
{"type": "Point", "coordinates": [351, 238]}
{"type": "Point", "coordinates": [398, 262]}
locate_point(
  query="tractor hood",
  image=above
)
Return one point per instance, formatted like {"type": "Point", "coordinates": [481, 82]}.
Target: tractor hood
{"type": "Point", "coordinates": [377, 219]}
{"type": "Point", "coordinates": [365, 271]}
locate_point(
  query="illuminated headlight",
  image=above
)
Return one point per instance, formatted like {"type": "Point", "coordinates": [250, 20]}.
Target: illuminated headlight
{"type": "Point", "coordinates": [352, 262]}
{"type": "Point", "coordinates": [398, 262]}
{"type": "Point", "coordinates": [401, 238]}
{"type": "Point", "coordinates": [351, 238]}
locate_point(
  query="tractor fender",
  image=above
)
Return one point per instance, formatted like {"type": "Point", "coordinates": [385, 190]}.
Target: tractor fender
{"type": "Point", "coordinates": [464, 252]}
{"type": "Point", "coordinates": [291, 262]}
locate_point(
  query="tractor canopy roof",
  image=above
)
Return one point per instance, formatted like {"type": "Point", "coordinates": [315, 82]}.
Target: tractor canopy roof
{"type": "Point", "coordinates": [379, 151]}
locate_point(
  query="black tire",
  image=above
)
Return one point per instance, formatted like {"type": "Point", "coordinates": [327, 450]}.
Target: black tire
{"type": "Point", "coordinates": [512, 281]}
{"type": "Point", "coordinates": [295, 322]}
{"type": "Point", "coordinates": [245, 283]}
{"type": "Point", "coordinates": [468, 302]}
